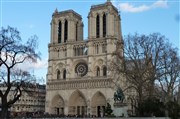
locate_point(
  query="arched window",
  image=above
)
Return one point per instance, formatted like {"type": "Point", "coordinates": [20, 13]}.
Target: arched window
{"type": "Point", "coordinates": [59, 32]}
{"type": "Point", "coordinates": [65, 31]}
{"type": "Point", "coordinates": [97, 49]}
{"type": "Point", "coordinates": [58, 74]}
{"type": "Point", "coordinates": [104, 71]}
{"type": "Point", "coordinates": [98, 72]}
{"type": "Point", "coordinates": [97, 26]}
{"type": "Point", "coordinates": [64, 74]}
{"type": "Point", "coordinates": [104, 25]}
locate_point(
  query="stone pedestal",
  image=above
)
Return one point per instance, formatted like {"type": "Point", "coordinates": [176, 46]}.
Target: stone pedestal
{"type": "Point", "coordinates": [120, 109]}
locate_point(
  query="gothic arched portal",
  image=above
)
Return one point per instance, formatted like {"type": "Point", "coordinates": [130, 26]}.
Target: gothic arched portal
{"type": "Point", "coordinates": [57, 105]}
{"type": "Point", "coordinates": [98, 103]}
{"type": "Point", "coordinates": [77, 104]}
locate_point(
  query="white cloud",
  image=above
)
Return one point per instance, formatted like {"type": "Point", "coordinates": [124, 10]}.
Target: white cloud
{"type": "Point", "coordinates": [40, 64]}
{"type": "Point", "coordinates": [160, 3]}
{"type": "Point", "coordinates": [127, 7]}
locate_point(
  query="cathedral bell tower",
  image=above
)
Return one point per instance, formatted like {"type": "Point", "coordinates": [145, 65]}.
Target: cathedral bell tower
{"type": "Point", "coordinates": [66, 26]}
{"type": "Point", "coordinates": [104, 21]}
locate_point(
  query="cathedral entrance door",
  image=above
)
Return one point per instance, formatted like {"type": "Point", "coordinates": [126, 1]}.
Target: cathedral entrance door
{"type": "Point", "coordinates": [98, 111]}
{"type": "Point", "coordinates": [57, 111]}
{"type": "Point", "coordinates": [77, 101]}
{"type": "Point", "coordinates": [78, 110]}
{"type": "Point", "coordinates": [98, 103]}
{"type": "Point", "coordinates": [57, 105]}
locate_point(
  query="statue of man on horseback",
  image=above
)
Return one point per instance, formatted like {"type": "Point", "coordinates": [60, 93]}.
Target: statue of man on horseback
{"type": "Point", "coordinates": [119, 95]}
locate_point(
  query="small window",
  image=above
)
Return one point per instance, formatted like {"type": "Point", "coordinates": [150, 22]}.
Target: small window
{"type": "Point", "coordinates": [64, 74]}
{"type": "Point", "coordinates": [97, 49]}
{"type": "Point", "coordinates": [58, 74]}
{"type": "Point", "coordinates": [98, 72]}
{"type": "Point", "coordinates": [104, 71]}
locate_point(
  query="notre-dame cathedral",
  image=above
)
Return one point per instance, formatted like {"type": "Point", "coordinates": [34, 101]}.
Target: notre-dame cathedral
{"type": "Point", "coordinates": [79, 80]}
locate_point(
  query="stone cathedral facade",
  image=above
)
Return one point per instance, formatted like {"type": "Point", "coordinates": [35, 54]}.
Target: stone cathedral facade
{"type": "Point", "coordinates": [79, 81]}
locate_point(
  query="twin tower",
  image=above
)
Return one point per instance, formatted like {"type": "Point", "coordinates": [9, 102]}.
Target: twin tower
{"type": "Point", "coordinates": [79, 80]}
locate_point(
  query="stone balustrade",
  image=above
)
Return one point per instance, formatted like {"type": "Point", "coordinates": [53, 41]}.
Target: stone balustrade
{"type": "Point", "coordinates": [80, 84]}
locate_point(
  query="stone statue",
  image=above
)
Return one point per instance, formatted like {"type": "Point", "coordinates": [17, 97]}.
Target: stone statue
{"type": "Point", "coordinates": [119, 95]}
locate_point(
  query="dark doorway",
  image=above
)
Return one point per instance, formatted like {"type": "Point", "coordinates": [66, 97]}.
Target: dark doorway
{"type": "Point", "coordinates": [57, 109]}
{"type": "Point", "coordinates": [78, 110]}
{"type": "Point", "coordinates": [99, 111]}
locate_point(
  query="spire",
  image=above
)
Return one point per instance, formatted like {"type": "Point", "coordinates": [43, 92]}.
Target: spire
{"type": "Point", "coordinates": [108, 0]}
{"type": "Point", "coordinates": [56, 10]}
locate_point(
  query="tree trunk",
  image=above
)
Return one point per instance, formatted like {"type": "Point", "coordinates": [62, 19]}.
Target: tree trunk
{"type": "Point", "coordinates": [4, 109]}
{"type": "Point", "coordinates": [4, 113]}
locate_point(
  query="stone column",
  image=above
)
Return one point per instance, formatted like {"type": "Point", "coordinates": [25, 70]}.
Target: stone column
{"type": "Point", "coordinates": [65, 108]}
{"type": "Point", "coordinates": [55, 32]}
{"type": "Point", "coordinates": [52, 31]}
{"type": "Point", "coordinates": [62, 32]}
{"type": "Point", "coordinates": [93, 24]}
{"type": "Point", "coordinates": [71, 30]}
{"type": "Point", "coordinates": [89, 26]}
{"type": "Point", "coordinates": [110, 25]}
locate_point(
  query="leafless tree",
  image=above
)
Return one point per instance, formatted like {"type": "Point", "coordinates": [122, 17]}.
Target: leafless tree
{"type": "Point", "coordinates": [12, 53]}
{"type": "Point", "coordinates": [169, 82]}
{"type": "Point", "coordinates": [143, 63]}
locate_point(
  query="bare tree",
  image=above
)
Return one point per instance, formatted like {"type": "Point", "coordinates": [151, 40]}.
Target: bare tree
{"type": "Point", "coordinates": [169, 82]}
{"type": "Point", "coordinates": [142, 64]}
{"type": "Point", "coordinates": [13, 52]}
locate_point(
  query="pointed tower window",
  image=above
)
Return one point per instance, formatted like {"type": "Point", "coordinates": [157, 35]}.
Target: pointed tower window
{"type": "Point", "coordinates": [58, 74]}
{"type": "Point", "coordinates": [59, 32]}
{"type": "Point", "coordinates": [64, 74]}
{"type": "Point", "coordinates": [104, 25]}
{"type": "Point", "coordinates": [97, 26]}
{"type": "Point", "coordinates": [65, 31]}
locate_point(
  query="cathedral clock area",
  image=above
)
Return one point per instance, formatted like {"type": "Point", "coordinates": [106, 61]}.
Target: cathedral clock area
{"type": "Point", "coordinates": [79, 81]}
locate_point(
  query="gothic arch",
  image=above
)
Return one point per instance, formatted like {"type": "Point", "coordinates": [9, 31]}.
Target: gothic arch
{"type": "Point", "coordinates": [77, 104]}
{"type": "Point", "coordinates": [59, 66]}
{"type": "Point", "coordinates": [98, 63]}
{"type": "Point", "coordinates": [98, 99]}
{"type": "Point", "coordinates": [98, 103]}
{"type": "Point", "coordinates": [57, 105]}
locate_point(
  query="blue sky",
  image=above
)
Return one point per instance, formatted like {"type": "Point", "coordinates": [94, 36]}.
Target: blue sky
{"type": "Point", "coordinates": [143, 16]}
